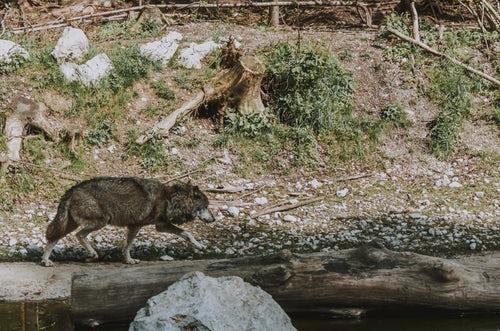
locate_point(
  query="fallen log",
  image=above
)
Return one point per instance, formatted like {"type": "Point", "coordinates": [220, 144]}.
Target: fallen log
{"type": "Point", "coordinates": [238, 87]}
{"type": "Point", "coordinates": [368, 277]}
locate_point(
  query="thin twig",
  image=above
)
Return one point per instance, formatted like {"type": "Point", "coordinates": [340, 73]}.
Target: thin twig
{"type": "Point", "coordinates": [281, 207]}
{"type": "Point", "coordinates": [435, 52]}
{"type": "Point", "coordinates": [344, 179]}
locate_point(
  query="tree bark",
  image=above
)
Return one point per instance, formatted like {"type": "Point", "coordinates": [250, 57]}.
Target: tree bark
{"type": "Point", "coordinates": [368, 277]}
{"type": "Point", "coordinates": [238, 86]}
{"type": "Point", "coordinates": [274, 15]}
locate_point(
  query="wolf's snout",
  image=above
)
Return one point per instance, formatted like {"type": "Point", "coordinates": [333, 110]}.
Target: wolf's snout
{"type": "Point", "coordinates": [206, 216]}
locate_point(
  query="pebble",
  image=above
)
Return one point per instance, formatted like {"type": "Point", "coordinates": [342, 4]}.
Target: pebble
{"type": "Point", "coordinates": [233, 211]}
{"type": "Point", "coordinates": [343, 192]}
{"type": "Point", "coordinates": [473, 245]}
{"type": "Point", "coordinates": [261, 201]}
{"type": "Point", "coordinates": [290, 218]}
{"type": "Point", "coordinates": [455, 185]}
{"type": "Point", "coordinates": [315, 184]}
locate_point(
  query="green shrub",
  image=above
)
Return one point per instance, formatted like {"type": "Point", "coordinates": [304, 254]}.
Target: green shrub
{"type": "Point", "coordinates": [128, 67]}
{"type": "Point", "coordinates": [395, 114]}
{"type": "Point", "coordinates": [151, 154]}
{"type": "Point", "coordinates": [308, 86]}
{"type": "Point", "coordinates": [101, 134]}
{"type": "Point", "coordinates": [247, 125]}
{"type": "Point", "coordinates": [163, 91]}
{"type": "Point", "coordinates": [451, 89]}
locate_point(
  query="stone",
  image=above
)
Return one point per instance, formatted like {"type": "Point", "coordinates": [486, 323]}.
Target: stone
{"type": "Point", "coordinates": [10, 52]}
{"type": "Point", "coordinates": [162, 50]}
{"type": "Point", "coordinates": [315, 184]}
{"type": "Point", "coordinates": [90, 73]}
{"type": "Point", "coordinates": [261, 201]}
{"type": "Point", "coordinates": [343, 192]}
{"type": "Point", "coordinates": [191, 56]}
{"type": "Point", "coordinates": [290, 218]}
{"type": "Point", "coordinates": [479, 194]}
{"type": "Point", "coordinates": [454, 184]}
{"type": "Point", "coordinates": [473, 246]}
{"type": "Point", "coordinates": [233, 211]}
{"type": "Point", "coordinates": [166, 258]}
{"type": "Point", "coordinates": [71, 46]}
{"type": "Point", "coordinates": [202, 303]}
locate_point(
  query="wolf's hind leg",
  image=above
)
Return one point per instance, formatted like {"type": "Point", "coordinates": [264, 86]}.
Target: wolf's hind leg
{"type": "Point", "coordinates": [51, 243]}
{"type": "Point", "coordinates": [82, 238]}
{"type": "Point", "coordinates": [167, 227]}
{"type": "Point", "coordinates": [133, 230]}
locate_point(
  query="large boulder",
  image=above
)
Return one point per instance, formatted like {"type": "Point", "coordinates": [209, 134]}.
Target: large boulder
{"type": "Point", "coordinates": [201, 303]}
{"type": "Point", "coordinates": [10, 52]}
{"type": "Point", "coordinates": [191, 56]}
{"type": "Point", "coordinates": [162, 50]}
{"type": "Point", "coordinates": [71, 46]}
{"type": "Point", "coordinates": [90, 73]}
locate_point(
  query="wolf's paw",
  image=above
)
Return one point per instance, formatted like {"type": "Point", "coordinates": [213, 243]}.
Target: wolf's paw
{"type": "Point", "coordinates": [132, 261]}
{"type": "Point", "coordinates": [93, 258]}
{"type": "Point", "coordinates": [47, 263]}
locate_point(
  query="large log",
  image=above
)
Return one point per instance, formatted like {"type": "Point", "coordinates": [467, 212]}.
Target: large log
{"type": "Point", "coordinates": [368, 277]}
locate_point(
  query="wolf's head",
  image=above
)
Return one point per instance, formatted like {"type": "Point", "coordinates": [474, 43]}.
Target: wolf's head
{"type": "Point", "coordinates": [186, 203]}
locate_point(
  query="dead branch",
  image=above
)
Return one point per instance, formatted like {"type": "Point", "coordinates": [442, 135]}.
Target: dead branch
{"type": "Point", "coordinates": [435, 52]}
{"type": "Point", "coordinates": [319, 3]}
{"type": "Point", "coordinates": [281, 207]}
{"type": "Point", "coordinates": [414, 18]}
{"type": "Point", "coordinates": [227, 189]}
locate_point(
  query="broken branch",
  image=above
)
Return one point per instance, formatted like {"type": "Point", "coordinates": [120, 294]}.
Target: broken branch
{"type": "Point", "coordinates": [435, 52]}
{"type": "Point", "coordinates": [281, 207]}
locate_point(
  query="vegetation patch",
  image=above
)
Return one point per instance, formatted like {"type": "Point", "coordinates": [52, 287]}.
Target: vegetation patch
{"type": "Point", "coordinates": [151, 154]}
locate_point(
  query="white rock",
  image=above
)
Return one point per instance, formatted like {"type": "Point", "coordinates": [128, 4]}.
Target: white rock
{"type": "Point", "coordinates": [12, 241]}
{"type": "Point", "coordinates": [72, 45]}
{"type": "Point", "coordinates": [233, 211]}
{"type": "Point", "coordinates": [191, 56]}
{"type": "Point", "coordinates": [199, 302]}
{"type": "Point", "coordinates": [315, 184]}
{"type": "Point", "coordinates": [290, 218]}
{"type": "Point", "coordinates": [473, 245]}
{"type": "Point", "coordinates": [174, 151]}
{"type": "Point", "coordinates": [162, 50]}
{"type": "Point", "coordinates": [343, 192]}
{"type": "Point", "coordinates": [261, 200]}
{"type": "Point", "coordinates": [479, 194]}
{"type": "Point", "coordinates": [11, 52]}
{"type": "Point", "coordinates": [455, 185]}
{"type": "Point", "coordinates": [166, 258]}
{"type": "Point", "coordinates": [90, 73]}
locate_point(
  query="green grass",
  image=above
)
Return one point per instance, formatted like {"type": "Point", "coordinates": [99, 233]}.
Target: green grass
{"type": "Point", "coordinates": [395, 114]}
{"type": "Point", "coordinates": [163, 91]}
{"type": "Point", "coordinates": [151, 154]}
{"type": "Point", "coordinates": [452, 91]}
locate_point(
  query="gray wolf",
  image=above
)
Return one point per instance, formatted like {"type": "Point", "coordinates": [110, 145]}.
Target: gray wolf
{"type": "Point", "coordinates": [129, 202]}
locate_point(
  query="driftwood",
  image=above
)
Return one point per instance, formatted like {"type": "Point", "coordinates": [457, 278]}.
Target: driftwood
{"type": "Point", "coordinates": [369, 277]}
{"type": "Point", "coordinates": [286, 206]}
{"type": "Point", "coordinates": [238, 86]}
{"type": "Point", "coordinates": [449, 58]}
{"type": "Point", "coordinates": [26, 112]}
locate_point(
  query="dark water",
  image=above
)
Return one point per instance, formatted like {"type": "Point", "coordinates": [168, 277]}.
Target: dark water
{"type": "Point", "coordinates": [55, 316]}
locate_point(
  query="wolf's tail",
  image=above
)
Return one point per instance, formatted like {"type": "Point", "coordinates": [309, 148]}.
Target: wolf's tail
{"type": "Point", "coordinates": [59, 225]}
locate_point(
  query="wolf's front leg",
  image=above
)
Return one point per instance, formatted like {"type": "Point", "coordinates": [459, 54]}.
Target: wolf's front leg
{"type": "Point", "coordinates": [132, 232]}
{"type": "Point", "coordinates": [170, 228]}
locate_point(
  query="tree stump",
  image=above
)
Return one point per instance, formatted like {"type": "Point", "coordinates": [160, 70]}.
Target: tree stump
{"type": "Point", "coordinates": [236, 87]}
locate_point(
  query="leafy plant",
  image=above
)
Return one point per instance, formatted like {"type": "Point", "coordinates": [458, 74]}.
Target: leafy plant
{"type": "Point", "coordinates": [247, 125]}
{"type": "Point", "coordinates": [101, 134]}
{"type": "Point", "coordinates": [308, 86]}
{"type": "Point", "coordinates": [395, 114]}
{"type": "Point", "coordinates": [163, 91]}
{"type": "Point", "coordinates": [151, 154]}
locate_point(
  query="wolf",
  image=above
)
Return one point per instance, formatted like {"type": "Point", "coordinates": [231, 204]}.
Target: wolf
{"type": "Point", "coordinates": [129, 202]}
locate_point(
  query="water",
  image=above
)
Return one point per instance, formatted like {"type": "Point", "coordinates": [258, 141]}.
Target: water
{"type": "Point", "coordinates": [56, 316]}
